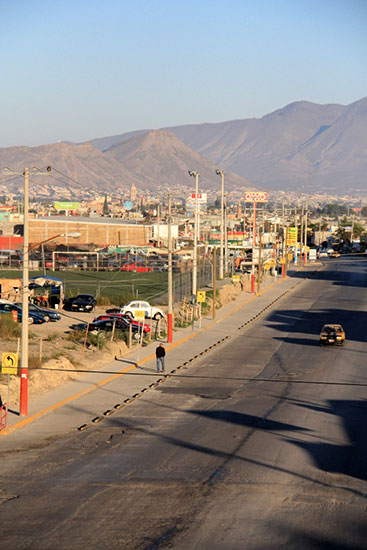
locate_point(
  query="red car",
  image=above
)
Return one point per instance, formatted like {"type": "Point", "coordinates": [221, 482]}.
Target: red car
{"type": "Point", "coordinates": [138, 267]}
{"type": "Point", "coordinates": [136, 324]}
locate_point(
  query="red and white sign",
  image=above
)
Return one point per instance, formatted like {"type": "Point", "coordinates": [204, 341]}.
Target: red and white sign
{"type": "Point", "coordinates": [201, 197]}
{"type": "Point", "coordinates": [256, 196]}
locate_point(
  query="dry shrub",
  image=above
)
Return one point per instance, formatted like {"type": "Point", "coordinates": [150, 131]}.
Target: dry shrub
{"type": "Point", "coordinates": [8, 328]}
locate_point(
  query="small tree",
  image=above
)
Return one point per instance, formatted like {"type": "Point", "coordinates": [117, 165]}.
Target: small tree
{"type": "Point", "coordinates": [105, 210]}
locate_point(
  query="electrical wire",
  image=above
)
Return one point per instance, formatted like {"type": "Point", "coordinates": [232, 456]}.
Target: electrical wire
{"type": "Point", "coordinates": [65, 176]}
{"type": "Point", "coordinates": [5, 179]}
{"type": "Point", "coordinates": [59, 180]}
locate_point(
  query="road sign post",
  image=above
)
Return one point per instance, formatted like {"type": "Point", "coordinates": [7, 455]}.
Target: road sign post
{"type": "Point", "coordinates": [201, 298]}
{"type": "Point", "coordinates": [9, 365]}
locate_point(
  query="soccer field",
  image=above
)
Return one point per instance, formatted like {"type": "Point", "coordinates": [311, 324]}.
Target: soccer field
{"type": "Point", "coordinates": [118, 286]}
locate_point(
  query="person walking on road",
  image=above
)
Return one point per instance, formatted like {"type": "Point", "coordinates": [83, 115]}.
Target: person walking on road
{"type": "Point", "coordinates": [160, 354]}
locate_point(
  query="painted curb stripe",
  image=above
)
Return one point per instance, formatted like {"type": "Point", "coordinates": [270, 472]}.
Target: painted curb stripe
{"type": "Point", "coordinates": [51, 408]}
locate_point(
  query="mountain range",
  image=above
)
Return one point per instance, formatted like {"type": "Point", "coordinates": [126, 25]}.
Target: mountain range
{"type": "Point", "coordinates": [303, 146]}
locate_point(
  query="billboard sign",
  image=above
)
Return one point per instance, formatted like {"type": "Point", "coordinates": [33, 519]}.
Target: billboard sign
{"type": "Point", "coordinates": [66, 205]}
{"type": "Point", "coordinates": [191, 205]}
{"type": "Point", "coordinates": [201, 197]}
{"type": "Point", "coordinates": [256, 196]}
{"type": "Point", "coordinates": [291, 236]}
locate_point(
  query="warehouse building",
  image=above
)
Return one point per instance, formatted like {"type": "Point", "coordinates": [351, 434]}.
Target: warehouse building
{"type": "Point", "coordinates": [100, 232]}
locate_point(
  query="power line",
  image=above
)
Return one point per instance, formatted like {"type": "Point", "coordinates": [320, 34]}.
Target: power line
{"type": "Point", "coordinates": [9, 178]}
{"type": "Point", "coordinates": [66, 176]}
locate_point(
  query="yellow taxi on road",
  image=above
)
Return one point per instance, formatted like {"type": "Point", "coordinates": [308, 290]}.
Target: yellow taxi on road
{"type": "Point", "coordinates": [332, 334]}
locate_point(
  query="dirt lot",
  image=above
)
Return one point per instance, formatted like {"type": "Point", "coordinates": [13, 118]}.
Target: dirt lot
{"type": "Point", "coordinates": [52, 346]}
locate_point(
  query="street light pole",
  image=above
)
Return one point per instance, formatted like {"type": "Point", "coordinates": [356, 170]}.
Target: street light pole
{"type": "Point", "coordinates": [214, 280]}
{"type": "Point", "coordinates": [301, 238]}
{"type": "Point", "coordinates": [305, 234]}
{"type": "Point", "coordinates": [221, 257]}
{"type": "Point", "coordinates": [195, 259]}
{"type": "Point", "coordinates": [225, 235]}
{"type": "Point", "coordinates": [170, 300]}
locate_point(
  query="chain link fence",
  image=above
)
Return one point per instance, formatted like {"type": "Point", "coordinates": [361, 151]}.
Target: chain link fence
{"type": "Point", "coordinates": [121, 292]}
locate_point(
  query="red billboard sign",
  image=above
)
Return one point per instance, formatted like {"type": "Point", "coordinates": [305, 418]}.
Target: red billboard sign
{"type": "Point", "coordinates": [256, 196]}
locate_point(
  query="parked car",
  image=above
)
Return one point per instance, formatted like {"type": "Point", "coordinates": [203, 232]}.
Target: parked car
{"type": "Point", "coordinates": [136, 266]}
{"type": "Point", "coordinates": [158, 265]}
{"type": "Point", "coordinates": [106, 325]}
{"type": "Point", "coordinates": [33, 317]}
{"type": "Point", "coordinates": [323, 254]}
{"type": "Point", "coordinates": [82, 302]}
{"type": "Point", "coordinates": [136, 325]}
{"type": "Point", "coordinates": [48, 314]}
{"type": "Point", "coordinates": [332, 334]}
{"type": "Point", "coordinates": [3, 301]}
{"type": "Point", "coordinates": [334, 254]}
{"type": "Point", "coordinates": [138, 305]}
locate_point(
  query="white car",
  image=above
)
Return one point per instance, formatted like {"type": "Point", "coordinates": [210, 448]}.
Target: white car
{"type": "Point", "coordinates": [138, 305]}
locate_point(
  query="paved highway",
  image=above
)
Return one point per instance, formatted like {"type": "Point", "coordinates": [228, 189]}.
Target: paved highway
{"type": "Point", "coordinates": [261, 445]}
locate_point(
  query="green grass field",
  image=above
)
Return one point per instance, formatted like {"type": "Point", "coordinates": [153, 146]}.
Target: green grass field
{"type": "Point", "coordinates": [118, 286]}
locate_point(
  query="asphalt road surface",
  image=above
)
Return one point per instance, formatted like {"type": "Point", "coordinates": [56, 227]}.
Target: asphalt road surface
{"type": "Point", "coordinates": [261, 445]}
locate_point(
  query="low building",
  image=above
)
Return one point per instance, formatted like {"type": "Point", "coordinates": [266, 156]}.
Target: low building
{"type": "Point", "coordinates": [99, 232]}
{"type": "Point", "coordinates": [10, 289]}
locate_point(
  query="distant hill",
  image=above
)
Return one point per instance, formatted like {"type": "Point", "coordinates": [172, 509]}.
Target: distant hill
{"type": "Point", "coordinates": [303, 145]}
{"type": "Point", "coordinates": [159, 157]}
{"type": "Point", "coordinates": [337, 156]}
{"type": "Point", "coordinates": [75, 167]}
{"type": "Point", "coordinates": [155, 160]}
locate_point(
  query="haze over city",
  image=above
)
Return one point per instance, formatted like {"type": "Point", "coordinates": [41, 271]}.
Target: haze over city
{"type": "Point", "coordinates": [183, 274]}
{"type": "Point", "coordinates": [76, 71]}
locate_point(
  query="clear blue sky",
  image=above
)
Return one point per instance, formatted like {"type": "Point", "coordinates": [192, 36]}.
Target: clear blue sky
{"type": "Point", "coordinates": [80, 69]}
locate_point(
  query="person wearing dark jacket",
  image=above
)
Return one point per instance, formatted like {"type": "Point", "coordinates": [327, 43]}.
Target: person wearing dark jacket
{"type": "Point", "coordinates": [160, 354]}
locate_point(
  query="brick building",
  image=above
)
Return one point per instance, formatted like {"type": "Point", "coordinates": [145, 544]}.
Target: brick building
{"type": "Point", "coordinates": [100, 232]}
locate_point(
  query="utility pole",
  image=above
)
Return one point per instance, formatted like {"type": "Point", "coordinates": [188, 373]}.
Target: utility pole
{"type": "Point", "coordinates": [170, 308]}
{"type": "Point", "coordinates": [221, 261]}
{"type": "Point", "coordinates": [225, 235]}
{"type": "Point", "coordinates": [283, 229]}
{"type": "Point", "coordinates": [295, 225]}
{"type": "Point", "coordinates": [23, 399]}
{"type": "Point", "coordinates": [306, 220]}
{"type": "Point", "coordinates": [196, 175]}
{"type": "Point", "coordinates": [158, 224]}
{"type": "Point", "coordinates": [25, 300]}
{"type": "Point", "coordinates": [254, 224]}
{"type": "Point", "coordinates": [301, 239]}
{"type": "Point", "coordinates": [283, 242]}
{"type": "Point", "coordinates": [214, 280]}
{"type": "Point", "coordinates": [259, 264]}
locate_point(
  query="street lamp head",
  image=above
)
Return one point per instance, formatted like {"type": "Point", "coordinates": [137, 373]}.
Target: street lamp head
{"type": "Point", "coordinates": [219, 172]}
{"type": "Point", "coordinates": [194, 174]}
